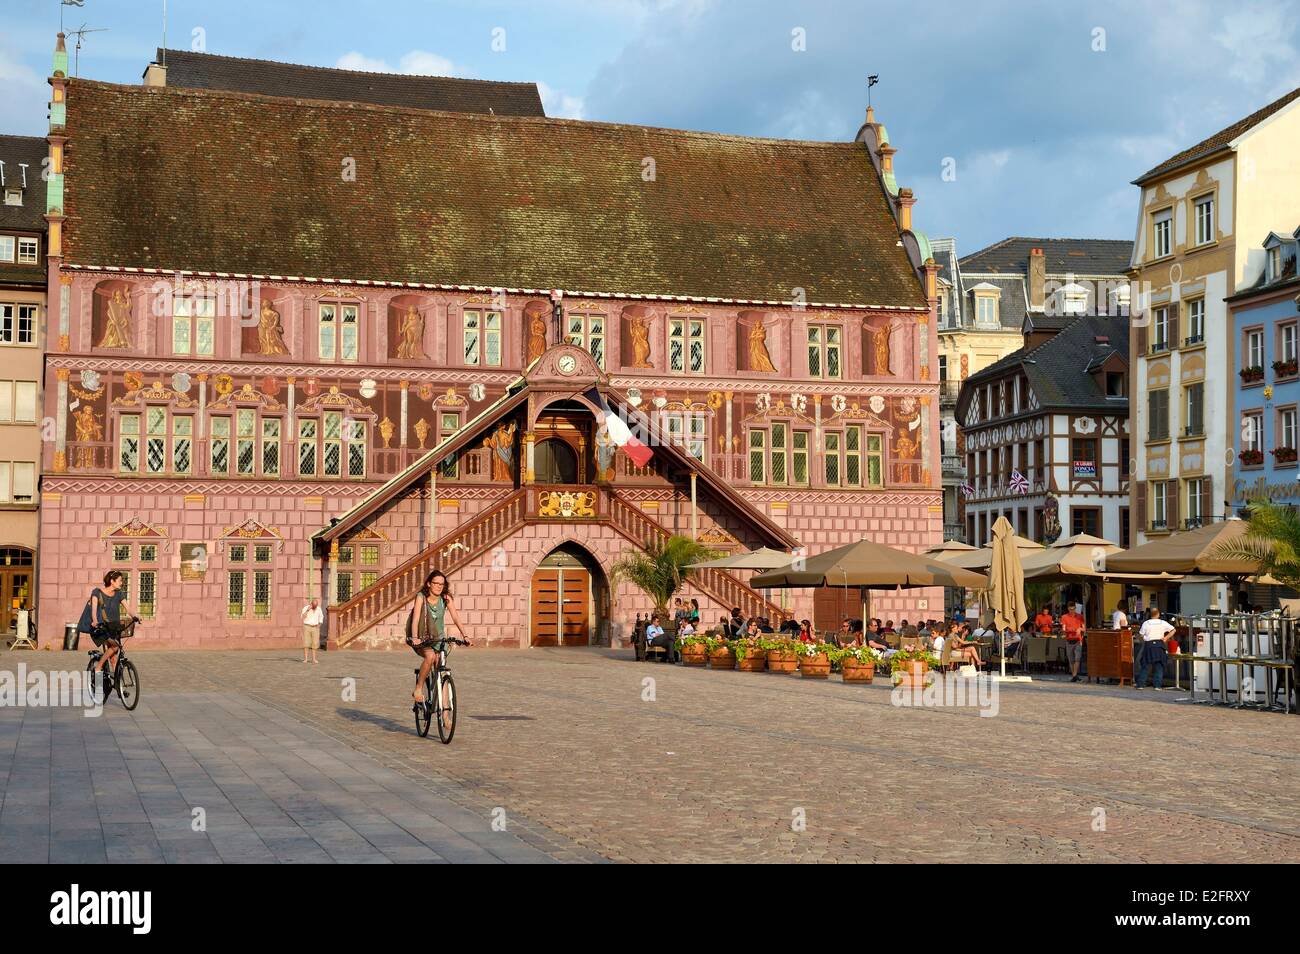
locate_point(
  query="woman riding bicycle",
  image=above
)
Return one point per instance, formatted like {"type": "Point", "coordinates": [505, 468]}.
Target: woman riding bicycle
{"type": "Point", "coordinates": [101, 619]}
{"type": "Point", "coordinates": [427, 629]}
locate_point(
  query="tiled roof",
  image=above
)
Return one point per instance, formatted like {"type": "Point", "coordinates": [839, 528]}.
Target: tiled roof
{"type": "Point", "coordinates": [190, 70]}
{"type": "Point", "coordinates": [239, 183]}
{"type": "Point", "coordinates": [1057, 369]}
{"type": "Point", "coordinates": [1011, 306]}
{"type": "Point", "coordinates": [1064, 256]}
{"type": "Point", "coordinates": [1219, 140]}
{"type": "Point", "coordinates": [30, 216]}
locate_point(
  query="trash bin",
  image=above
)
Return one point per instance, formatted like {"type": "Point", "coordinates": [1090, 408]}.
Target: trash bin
{"type": "Point", "coordinates": [70, 636]}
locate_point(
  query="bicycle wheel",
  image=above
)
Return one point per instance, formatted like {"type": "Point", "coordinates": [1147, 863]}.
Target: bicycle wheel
{"type": "Point", "coordinates": [128, 685]}
{"type": "Point", "coordinates": [447, 714]}
{"type": "Point", "coordinates": [423, 713]}
{"type": "Point", "coordinates": [90, 680]}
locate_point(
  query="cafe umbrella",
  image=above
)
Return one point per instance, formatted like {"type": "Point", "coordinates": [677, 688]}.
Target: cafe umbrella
{"type": "Point", "coordinates": [1006, 585]}
{"type": "Point", "coordinates": [867, 565]}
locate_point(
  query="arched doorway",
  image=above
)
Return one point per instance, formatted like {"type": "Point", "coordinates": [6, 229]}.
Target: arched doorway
{"type": "Point", "coordinates": [17, 572]}
{"type": "Point", "coordinates": [568, 599]}
{"type": "Point", "coordinates": [554, 462]}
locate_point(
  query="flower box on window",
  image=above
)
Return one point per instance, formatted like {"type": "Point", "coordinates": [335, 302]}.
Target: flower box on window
{"type": "Point", "coordinates": [1251, 458]}
{"type": "Point", "coordinates": [1252, 374]}
{"type": "Point", "coordinates": [1283, 455]}
{"type": "Point", "coordinates": [1286, 369]}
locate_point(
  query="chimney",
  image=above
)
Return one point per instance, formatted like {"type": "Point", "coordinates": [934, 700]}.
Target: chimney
{"type": "Point", "coordinates": [905, 203]}
{"type": "Point", "coordinates": [1037, 278]}
{"type": "Point", "coordinates": [155, 74]}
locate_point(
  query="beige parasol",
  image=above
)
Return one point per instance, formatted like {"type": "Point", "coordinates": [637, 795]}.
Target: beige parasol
{"type": "Point", "coordinates": [1006, 583]}
{"type": "Point", "coordinates": [1192, 551]}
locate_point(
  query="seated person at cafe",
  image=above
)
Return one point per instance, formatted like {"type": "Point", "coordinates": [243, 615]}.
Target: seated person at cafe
{"type": "Point", "coordinates": [655, 635]}
{"type": "Point", "coordinates": [736, 625]}
{"type": "Point", "coordinates": [907, 629]}
{"type": "Point", "coordinates": [1073, 626]}
{"type": "Point", "coordinates": [936, 643]}
{"type": "Point", "coordinates": [963, 650]}
{"type": "Point", "coordinates": [1044, 622]}
{"type": "Point", "coordinates": [889, 627]}
{"type": "Point", "coordinates": [806, 632]}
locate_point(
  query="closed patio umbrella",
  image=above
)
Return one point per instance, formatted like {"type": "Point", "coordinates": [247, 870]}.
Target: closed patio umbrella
{"type": "Point", "coordinates": [1006, 584]}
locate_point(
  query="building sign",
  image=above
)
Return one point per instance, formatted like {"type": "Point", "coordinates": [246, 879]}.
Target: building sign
{"type": "Point", "coordinates": [1085, 469]}
{"type": "Point", "coordinates": [1261, 490]}
{"type": "Point", "coordinates": [194, 562]}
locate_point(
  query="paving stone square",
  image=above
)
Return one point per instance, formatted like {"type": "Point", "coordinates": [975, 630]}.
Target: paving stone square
{"type": "Point", "coordinates": [587, 756]}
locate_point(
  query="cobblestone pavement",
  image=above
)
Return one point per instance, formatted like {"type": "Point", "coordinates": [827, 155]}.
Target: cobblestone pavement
{"type": "Point", "coordinates": [584, 760]}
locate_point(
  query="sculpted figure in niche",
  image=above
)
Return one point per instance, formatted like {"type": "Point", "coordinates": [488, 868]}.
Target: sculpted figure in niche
{"type": "Point", "coordinates": [759, 359]}
{"type": "Point", "coordinates": [880, 348]}
{"type": "Point", "coordinates": [270, 333]}
{"type": "Point", "coordinates": [88, 431]}
{"type": "Point", "coordinates": [535, 315]}
{"type": "Point", "coordinates": [117, 328]}
{"type": "Point", "coordinates": [502, 445]}
{"type": "Point", "coordinates": [411, 335]}
{"type": "Point", "coordinates": [638, 326]}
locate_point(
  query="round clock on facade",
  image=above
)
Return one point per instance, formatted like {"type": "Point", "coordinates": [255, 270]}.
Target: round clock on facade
{"type": "Point", "coordinates": [567, 364]}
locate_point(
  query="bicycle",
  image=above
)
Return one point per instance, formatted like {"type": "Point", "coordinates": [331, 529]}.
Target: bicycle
{"type": "Point", "coordinates": [437, 683]}
{"type": "Point", "coordinates": [124, 677]}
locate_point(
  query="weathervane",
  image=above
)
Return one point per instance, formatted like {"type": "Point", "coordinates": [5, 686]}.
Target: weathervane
{"type": "Point", "coordinates": [872, 80]}
{"type": "Point", "coordinates": [68, 3]}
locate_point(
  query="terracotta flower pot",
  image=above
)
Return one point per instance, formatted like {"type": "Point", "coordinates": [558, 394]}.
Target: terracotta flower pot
{"type": "Point", "coordinates": [911, 674]}
{"type": "Point", "coordinates": [815, 667]}
{"type": "Point", "coordinates": [722, 659]}
{"type": "Point", "coordinates": [753, 662]}
{"type": "Point", "coordinates": [696, 655]}
{"type": "Point", "coordinates": [853, 671]}
{"type": "Point", "coordinates": [782, 660]}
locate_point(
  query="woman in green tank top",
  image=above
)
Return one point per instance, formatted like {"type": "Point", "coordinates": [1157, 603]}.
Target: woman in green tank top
{"type": "Point", "coordinates": [428, 625]}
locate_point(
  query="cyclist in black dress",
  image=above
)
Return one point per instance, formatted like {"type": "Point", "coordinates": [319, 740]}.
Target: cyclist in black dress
{"type": "Point", "coordinates": [102, 617]}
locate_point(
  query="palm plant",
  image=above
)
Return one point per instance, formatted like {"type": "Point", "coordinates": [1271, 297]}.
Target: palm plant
{"type": "Point", "coordinates": [660, 570]}
{"type": "Point", "coordinates": [1272, 540]}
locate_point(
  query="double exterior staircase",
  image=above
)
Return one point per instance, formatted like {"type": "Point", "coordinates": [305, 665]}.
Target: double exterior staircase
{"type": "Point", "coordinates": [470, 540]}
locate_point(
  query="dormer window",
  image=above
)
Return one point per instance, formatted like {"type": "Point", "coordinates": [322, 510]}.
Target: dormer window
{"type": "Point", "coordinates": [1115, 384]}
{"type": "Point", "coordinates": [13, 196]}
{"type": "Point", "coordinates": [29, 251]}
{"type": "Point", "coordinates": [1281, 261]}
{"type": "Point", "coordinates": [987, 297]}
{"type": "Point", "coordinates": [1074, 299]}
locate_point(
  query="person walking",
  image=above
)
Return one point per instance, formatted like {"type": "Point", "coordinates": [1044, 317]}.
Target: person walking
{"type": "Point", "coordinates": [1073, 625]}
{"type": "Point", "coordinates": [312, 617]}
{"type": "Point", "coordinates": [1155, 633]}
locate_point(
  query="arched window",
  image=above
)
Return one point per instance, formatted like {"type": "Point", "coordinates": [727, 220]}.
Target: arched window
{"type": "Point", "coordinates": [554, 462]}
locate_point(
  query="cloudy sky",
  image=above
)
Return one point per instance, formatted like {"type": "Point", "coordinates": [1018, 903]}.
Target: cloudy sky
{"type": "Point", "coordinates": [1043, 111]}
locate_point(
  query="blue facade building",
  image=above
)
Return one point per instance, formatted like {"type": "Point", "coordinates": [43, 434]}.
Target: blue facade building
{"type": "Point", "coordinates": [1264, 320]}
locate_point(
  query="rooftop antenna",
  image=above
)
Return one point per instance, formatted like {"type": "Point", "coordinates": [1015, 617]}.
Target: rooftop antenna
{"type": "Point", "coordinates": [81, 37]}
{"type": "Point", "coordinates": [872, 80]}
{"type": "Point", "coordinates": [68, 3]}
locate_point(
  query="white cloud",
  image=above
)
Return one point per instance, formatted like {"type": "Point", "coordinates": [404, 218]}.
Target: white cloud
{"type": "Point", "coordinates": [413, 63]}
{"type": "Point", "coordinates": [22, 108]}
{"type": "Point", "coordinates": [560, 104]}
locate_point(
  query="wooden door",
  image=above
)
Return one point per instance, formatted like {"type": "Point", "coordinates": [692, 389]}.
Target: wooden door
{"type": "Point", "coordinates": [14, 585]}
{"type": "Point", "coordinates": [576, 586]}
{"type": "Point", "coordinates": [545, 608]}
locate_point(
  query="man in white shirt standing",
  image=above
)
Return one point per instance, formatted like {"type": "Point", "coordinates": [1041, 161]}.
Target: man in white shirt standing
{"type": "Point", "coordinates": [312, 617]}
{"type": "Point", "coordinates": [1155, 632]}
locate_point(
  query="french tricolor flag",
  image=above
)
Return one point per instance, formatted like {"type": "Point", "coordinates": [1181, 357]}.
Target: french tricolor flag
{"type": "Point", "coordinates": [619, 433]}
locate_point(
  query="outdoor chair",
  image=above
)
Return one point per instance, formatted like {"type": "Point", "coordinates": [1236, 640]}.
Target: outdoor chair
{"type": "Point", "coordinates": [1036, 652]}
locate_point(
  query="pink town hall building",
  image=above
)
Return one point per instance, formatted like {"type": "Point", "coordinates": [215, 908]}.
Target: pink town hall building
{"type": "Point", "coordinates": [318, 347]}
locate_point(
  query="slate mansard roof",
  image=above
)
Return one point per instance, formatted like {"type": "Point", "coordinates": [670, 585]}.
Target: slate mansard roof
{"type": "Point", "coordinates": [1064, 256]}
{"type": "Point", "coordinates": [189, 70]}
{"type": "Point", "coordinates": [159, 177]}
{"type": "Point", "coordinates": [1060, 369]}
{"type": "Point", "coordinates": [30, 216]}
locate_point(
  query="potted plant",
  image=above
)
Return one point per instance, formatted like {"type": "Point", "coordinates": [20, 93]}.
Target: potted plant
{"type": "Point", "coordinates": [693, 649]}
{"type": "Point", "coordinates": [857, 663]}
{"type": "Point", "coordinates": [660, 570]}
{"type": "Point", "coordinates": [909, 667]}
{"type": "Point", "coordinates": [814, 660]}
{"type": "Point", "coordinates": [1251, 458]}
{"type": "Point", "coordinates": [720, 654]}
{"type": "Point", "coordinates": [1286, 369]}
{"type": "Point", "coordinates": [1283, 455]}
{"type": "Point", "coordinates": [1252, 374]}
{"type": "Point", "coordinates": [750, 654]}
{"type": "Point", "coordinates": [782, 654]}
